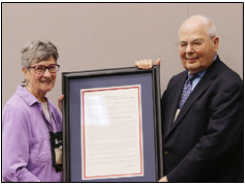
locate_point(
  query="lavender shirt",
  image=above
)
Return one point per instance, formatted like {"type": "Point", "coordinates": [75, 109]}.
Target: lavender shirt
{"type": "Point", "coordinates": [26, 152]}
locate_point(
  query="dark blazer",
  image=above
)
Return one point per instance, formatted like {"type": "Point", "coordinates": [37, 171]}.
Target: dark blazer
{"type": "Point", "coordinates": [205, 143]}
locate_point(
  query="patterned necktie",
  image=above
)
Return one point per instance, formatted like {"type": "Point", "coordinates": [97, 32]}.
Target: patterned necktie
{"type": "Point", "coordinates": [187, 89]}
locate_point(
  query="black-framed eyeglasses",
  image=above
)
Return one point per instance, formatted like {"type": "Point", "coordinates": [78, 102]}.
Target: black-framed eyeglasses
{"type": "Point", "coordinates": [40, 69]}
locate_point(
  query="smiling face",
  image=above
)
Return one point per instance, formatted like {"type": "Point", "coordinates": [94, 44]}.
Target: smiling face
{"type": "Point", "coordinates": [199, 59]}
{"type": "Point", "coordinates": [40, 84]}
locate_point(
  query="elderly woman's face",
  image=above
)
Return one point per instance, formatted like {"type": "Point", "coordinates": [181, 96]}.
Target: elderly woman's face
{"type": "Point", "coordinates": [41, 83]}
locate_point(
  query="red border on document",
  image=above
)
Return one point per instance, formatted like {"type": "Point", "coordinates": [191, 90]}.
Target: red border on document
{"type": "Point", "coordinates": [140, 136]}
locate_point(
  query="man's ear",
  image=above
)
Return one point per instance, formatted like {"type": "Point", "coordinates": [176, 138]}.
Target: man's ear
{"type": "Point", "coordinates": [216, 44]}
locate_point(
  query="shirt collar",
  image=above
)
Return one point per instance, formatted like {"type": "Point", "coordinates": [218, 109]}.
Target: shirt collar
{"type": "Point", "coordinates": [199, 74]}
{"type": "Point", "coordinates": [26, 95]}
{"type": "Point", "coordinates": [215, 56]}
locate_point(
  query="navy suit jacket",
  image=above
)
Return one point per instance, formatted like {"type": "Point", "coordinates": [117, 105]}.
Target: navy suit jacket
{"type": "Point", "coordinates": [205, 143]}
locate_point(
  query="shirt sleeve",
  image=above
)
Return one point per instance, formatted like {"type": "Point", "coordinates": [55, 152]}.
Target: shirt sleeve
{"type": "Point", "coordinates": [15, 147]}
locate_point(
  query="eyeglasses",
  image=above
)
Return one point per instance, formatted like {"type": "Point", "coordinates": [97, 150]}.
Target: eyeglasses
{"type": "Point", "coordinates": [195, 44]}
{"type": "Point", "coordinates": [40, 69]}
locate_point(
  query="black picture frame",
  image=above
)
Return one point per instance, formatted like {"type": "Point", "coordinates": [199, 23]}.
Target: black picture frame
{"type": "Point", "coordinates": [149, 79]}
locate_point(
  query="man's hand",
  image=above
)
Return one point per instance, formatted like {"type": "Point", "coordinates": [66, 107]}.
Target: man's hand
{"type": "Point", "coordinates": [163, 179]}
{"type": "Point", "coordinates": [60, 102]}
{"type": "Point", "coordinates": [146, 63]}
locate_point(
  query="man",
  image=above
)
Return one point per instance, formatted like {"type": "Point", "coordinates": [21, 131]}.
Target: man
{"type": "Point", "coordinates": [202, 117]}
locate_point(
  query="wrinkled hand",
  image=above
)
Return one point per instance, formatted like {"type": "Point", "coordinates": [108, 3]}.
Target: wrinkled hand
{"type": "Point", "coordinates": [60, 102]}
{"type": "Point", "coordinates": [146, 63]}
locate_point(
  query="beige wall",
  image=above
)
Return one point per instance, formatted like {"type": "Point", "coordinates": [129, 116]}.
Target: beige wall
{"type": "Point", "coordinates": [98, 36]}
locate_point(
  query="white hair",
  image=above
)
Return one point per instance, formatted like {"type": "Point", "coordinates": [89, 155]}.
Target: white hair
{"type": "Point", "coordinates": [211, 30]}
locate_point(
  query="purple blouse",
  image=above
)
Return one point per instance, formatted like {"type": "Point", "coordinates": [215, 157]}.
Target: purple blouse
{"type": "Point", "coordinates": [26, 150]}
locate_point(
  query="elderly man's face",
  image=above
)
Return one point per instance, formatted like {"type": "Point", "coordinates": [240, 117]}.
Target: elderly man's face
{"type": "Point", "coordinates": [196, 60]}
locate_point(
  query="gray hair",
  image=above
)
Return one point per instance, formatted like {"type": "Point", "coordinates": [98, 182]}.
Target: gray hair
{"type": "Point", "coordinates": [36, 51]}
{"type": "Point", "coordinates": [211, 30]}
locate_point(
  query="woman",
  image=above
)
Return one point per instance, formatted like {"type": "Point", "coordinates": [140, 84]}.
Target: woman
{"type": "Point", "coordinates": [29, 116]}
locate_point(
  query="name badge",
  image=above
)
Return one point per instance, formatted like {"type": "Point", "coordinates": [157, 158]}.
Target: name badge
{"type": "Point", "coordinates": [176, 114]}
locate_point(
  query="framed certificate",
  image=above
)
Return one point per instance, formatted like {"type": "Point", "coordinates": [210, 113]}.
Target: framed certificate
{"type": "Point", "coordinates": [112, 125]}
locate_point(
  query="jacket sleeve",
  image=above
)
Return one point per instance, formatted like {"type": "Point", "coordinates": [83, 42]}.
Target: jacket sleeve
{"type": "Point", "coordinates": [224, 131]}
{"type": "Point", "coordinates": [15, 147]}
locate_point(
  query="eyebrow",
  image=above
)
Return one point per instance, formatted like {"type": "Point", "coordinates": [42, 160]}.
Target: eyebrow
{"type": "Point", "coordinates": [45, 66]}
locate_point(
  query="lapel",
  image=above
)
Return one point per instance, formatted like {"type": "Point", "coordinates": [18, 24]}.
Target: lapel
{"type": "Point", "coordinates": [175, 100]}
{"type": "Point", "coordinates": [201, 87]}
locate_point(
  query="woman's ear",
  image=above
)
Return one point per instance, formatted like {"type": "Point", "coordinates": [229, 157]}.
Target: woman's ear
{"type": "Point", "coordinates": [25, 72]}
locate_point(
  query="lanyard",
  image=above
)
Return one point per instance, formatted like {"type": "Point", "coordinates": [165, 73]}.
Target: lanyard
{"type": "Point", "coordinates": [56, 143]}
{"type": "Point", "coordinates": [46, 121]}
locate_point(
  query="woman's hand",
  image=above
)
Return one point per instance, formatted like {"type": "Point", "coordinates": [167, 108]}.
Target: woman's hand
{"type": "Point", "coordinates": [60, 102]}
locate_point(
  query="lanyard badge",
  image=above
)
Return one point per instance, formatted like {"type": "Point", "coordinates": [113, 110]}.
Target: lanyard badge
{"type": "Point", "coordinates": [56, 141]}
{"type": "Point", "coordinates": [56, 149]}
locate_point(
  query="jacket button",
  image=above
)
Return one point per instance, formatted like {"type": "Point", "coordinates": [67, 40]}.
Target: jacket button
{"type": "Point", "coordinates": [166, 152]}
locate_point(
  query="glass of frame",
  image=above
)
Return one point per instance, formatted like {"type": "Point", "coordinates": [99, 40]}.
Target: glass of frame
{"type": "Point", "coordinates": [112, 125]}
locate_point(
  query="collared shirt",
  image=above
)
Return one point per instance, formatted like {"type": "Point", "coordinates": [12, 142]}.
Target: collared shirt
{"type": "Point", "coordinates": [199, 76]}
{"type": "Point", "coordinates": [26, 150]}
